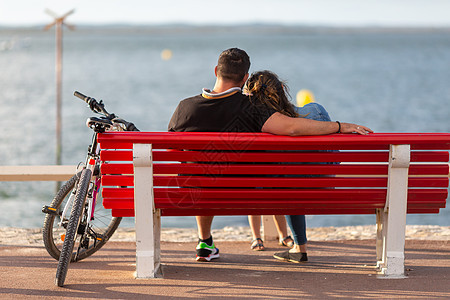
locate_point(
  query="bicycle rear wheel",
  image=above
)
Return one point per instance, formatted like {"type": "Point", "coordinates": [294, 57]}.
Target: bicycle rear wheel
{"type": "Point", "coordinates": [54, 229]}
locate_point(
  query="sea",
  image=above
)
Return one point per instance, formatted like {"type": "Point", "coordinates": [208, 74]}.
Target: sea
{"type": "Point", "coordinates": [390, 79]}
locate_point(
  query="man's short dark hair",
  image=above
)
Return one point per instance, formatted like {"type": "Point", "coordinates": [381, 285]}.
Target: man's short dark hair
{"type": "Point", "coordinates": [233, 64]}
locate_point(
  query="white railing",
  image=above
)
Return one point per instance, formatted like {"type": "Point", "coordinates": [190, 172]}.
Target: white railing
{"type": "Point", "coordinates": [37, 173]}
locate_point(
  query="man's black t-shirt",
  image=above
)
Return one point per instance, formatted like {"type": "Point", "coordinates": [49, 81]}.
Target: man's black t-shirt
{"type": "Point", "coordinates": [230, 111]}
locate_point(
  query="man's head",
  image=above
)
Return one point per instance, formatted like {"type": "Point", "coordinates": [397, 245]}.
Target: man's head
{"type": "Point", "coordinates": [233, 65]}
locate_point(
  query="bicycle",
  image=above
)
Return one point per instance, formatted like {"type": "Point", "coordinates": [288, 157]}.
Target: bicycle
{"type": "Point", "coordinates": [75, 219]}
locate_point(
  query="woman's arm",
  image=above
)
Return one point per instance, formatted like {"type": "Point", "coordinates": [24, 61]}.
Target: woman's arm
{"type": "Point", "coordinates": [283, 125]}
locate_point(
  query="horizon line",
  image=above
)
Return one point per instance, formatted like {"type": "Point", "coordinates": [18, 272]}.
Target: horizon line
{"type": "Point", "coordinates": [237, 24]}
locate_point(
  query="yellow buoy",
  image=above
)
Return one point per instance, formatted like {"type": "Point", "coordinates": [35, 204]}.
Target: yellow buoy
{"type": "Point", "coordinates": [166, 54]}
{"type": "Point", "coordinates": [304, 97]}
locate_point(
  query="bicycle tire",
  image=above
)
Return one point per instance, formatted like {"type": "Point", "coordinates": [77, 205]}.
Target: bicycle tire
{"type": "Point", "coordinates": [72, 227]}
{"type": "Point", "coordinates": [103, 223]}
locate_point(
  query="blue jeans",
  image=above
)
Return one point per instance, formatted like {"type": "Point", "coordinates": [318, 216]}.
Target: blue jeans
{"type": "Point", "coordinates": [297, 223]}
{"type": "Point", "coordinates": [314, 111]}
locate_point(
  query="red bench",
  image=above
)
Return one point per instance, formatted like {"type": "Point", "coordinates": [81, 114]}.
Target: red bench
{"type": "Point", "coordinates": [153, 174]}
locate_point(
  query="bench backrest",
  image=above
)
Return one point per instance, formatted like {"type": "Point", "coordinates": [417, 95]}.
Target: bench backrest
{"type": "Point", "coordinates": [256, 173]}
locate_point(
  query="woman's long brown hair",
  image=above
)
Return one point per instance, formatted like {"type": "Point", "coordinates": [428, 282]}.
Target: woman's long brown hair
{"type": "Point", "coordinates": [265, 87]}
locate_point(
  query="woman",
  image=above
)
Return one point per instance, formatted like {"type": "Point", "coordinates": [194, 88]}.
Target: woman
{"type": "Point", "coordinates": [266, 88]}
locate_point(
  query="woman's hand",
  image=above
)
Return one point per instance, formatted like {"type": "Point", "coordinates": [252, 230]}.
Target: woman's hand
{"type": "Point", "coordinates": [353, 128]}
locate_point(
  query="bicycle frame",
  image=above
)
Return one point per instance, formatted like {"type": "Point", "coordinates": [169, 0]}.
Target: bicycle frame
{"type": "Point", "coordinates": [92, 162]}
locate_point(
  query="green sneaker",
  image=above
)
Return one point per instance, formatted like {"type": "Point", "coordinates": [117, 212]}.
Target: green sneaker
{"type": "Point", "coordinates": [206, 252]}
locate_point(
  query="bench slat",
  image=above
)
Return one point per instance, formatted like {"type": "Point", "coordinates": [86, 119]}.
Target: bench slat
{"type": "Point", "coordinates": [360, 169]}
{"type": "Point", "coordinates": [169, 203]}
{"type": "Point", "coordinates": [284, 182]}
{"type": "Point", "coordinates": [116, 155]}
{"type": "Point", "coordinates": [199, 181]}
{"type": "Point", "coordinates": [204, 199]}
{"type": "Point", "coordinates": [236, 212]}
{"type": "Point", "coordinates": [362, 194]}
{"type": "Point", "coordinates": [262, 141]}
{"type": "Point", "coordinates": [177, 155]}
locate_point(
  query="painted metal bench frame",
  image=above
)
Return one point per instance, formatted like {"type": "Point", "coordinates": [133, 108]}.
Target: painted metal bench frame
{"type": "Point", "coordinates": [391, 156]}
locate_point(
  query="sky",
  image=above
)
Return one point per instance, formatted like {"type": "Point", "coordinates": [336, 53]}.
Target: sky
{"type": "Point", "coordinates": [417, 13]}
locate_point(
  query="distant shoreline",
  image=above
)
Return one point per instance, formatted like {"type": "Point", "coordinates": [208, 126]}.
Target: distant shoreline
{"type": "Point", "coordinates": [33, 236]}
{"type": "Point", "coordinates": [180, 28]}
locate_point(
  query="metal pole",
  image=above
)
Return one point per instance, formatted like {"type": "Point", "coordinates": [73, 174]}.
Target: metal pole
{"type": "Point", "coordinates": [58, 22]}
{"type": "Point", "coordinates": [58, 70]}
{"type": "Point", "coordinates": [58, 92]}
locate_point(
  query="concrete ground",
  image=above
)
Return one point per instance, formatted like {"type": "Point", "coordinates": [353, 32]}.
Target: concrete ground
{"type": "Point", "coordinates": [337, 269]}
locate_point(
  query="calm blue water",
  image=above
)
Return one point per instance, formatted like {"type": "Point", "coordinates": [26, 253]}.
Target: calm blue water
{"type": "Point", "coordinates": [390, 81]}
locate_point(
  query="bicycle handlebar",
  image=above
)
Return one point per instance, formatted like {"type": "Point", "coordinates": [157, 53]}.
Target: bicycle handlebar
{"type": "Point", "coordinates": [81, 96]}
{"type": "Point", "coordinates": [99, 107]}
{"type": "Point", "coordinates": [128, 125]}
{"type": "Point", "coordinates": [131, 127]}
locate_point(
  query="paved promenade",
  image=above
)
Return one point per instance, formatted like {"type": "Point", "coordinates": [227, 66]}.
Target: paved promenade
{"type": "Point", "coordinates": [337, 269]}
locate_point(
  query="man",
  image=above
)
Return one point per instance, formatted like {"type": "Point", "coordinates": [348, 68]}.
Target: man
{"type": "Point", "coordinates": [226, 109]}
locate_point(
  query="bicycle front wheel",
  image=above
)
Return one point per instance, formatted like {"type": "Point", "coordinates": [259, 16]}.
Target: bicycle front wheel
{"type": "Point", "coordinates": [54, 229]}
{"type": "Point", "coordinates": [72, 227]}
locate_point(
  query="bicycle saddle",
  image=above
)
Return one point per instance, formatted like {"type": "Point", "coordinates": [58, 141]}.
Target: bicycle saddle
{"type": "Point", "coordinates": [94, 121]}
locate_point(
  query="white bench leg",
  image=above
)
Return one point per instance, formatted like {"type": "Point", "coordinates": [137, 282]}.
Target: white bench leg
{"type": "Point", "coordinates": [393, 218]}
{"type": "Point", "coordinates": [381, 216]}
{"type": "Point", "coordinates": [147, 218]}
